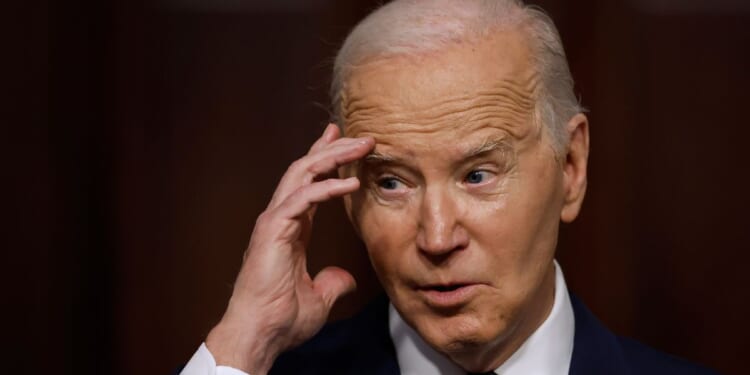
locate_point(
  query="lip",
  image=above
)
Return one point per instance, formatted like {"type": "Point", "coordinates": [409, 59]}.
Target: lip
{"type": "Point", "coordinates": [450, 295]}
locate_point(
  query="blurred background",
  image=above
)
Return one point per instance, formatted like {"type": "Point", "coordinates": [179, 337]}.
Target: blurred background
{"type": "Point", "coordinates": [143, 139]}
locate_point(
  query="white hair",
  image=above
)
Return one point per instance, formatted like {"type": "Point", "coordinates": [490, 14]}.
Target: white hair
{"type": "Point", "coordinates": [407, 27]}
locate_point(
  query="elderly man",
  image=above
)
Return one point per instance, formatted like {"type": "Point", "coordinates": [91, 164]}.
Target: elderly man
{"type": "Point", "coordinates": [460, 147]}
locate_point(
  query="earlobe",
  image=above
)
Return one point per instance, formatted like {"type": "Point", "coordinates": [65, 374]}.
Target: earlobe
{"type": "Point", "coordinates": [574, 167]}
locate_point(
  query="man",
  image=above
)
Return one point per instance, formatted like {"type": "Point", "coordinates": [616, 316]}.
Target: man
{"type": "Point", "coordinates": [464, 148]}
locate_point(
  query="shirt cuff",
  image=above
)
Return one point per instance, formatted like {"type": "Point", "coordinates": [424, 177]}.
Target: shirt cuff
{"type": "Point", "coordinates": [203, 363]}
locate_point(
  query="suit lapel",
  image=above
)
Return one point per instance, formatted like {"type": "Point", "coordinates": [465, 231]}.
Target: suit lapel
{"type": "Point", "coordinates": [378, 355]}
{"type": "Point", "coordinates": [595, 349]}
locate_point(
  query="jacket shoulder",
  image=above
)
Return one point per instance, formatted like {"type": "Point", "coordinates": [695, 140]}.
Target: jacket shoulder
{"type": "Point", "coordinates": [643, 359]}
{"type": "Point", "coordinates": [596, 350]}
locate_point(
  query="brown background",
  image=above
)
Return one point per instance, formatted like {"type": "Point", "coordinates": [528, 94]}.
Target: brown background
{"type": "Point", "coordinates": [144, 138]}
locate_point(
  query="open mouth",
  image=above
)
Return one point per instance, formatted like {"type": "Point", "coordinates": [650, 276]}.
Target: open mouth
{"type": "Point", "coordinates": [445, 288]}
{"type": "Point", "coordinates": [448, 296]}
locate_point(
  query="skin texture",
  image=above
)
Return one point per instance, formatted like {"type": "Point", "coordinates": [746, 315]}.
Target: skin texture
{"type": "Point", "coordinates": [454, 189]}
{"type": "Point", "coordinates": [463, 192]}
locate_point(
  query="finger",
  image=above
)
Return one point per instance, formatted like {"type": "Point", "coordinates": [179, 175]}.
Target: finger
{"type": "Point", "coordinates": [304, 171]}
{"type": "Point", "coordinates": [294, 178]}
{"type": "Point", "coordinates": [327, 162]}
{"type": "Point", "coordinates": [330, 134]}
{"type": "Point", "coordinates": [307, 196]}
{"type": "Point", "coordinates": [332, 283]}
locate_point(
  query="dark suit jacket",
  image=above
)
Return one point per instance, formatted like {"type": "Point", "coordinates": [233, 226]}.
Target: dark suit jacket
{"type": "Point", "coordinates": [362, 346]}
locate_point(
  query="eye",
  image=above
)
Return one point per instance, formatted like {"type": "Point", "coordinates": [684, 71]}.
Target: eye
{"type": "Point", "coordinates": [477, 177]}
{"type": "Point", "coordinates": [389, 183]}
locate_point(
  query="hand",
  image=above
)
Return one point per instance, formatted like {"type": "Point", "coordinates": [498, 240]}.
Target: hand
{"type": "Point", "coordinates": [275, 304]}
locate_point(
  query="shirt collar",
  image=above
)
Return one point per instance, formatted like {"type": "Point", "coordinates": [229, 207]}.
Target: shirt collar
{"type": "Point", "coordinates": [547, 351]}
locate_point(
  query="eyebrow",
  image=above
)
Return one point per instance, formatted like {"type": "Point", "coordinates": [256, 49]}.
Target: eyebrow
{"type": "Point", "coordinates": [484, 148]}
{"type": "Point", "coordinates": [376, 157]}
{"type": "Point", "coordinates": [489, 145]}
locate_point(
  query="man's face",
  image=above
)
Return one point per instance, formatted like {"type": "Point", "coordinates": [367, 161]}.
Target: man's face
{"type": "Point", "coordinates": [461, 199]}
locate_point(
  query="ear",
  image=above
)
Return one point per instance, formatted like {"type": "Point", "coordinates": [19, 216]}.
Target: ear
{"type": "Point", "coordinates": [574, 167]}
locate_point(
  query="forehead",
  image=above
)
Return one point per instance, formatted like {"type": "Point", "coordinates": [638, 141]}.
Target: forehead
{"type": "Point", "coordinates": [456, 92]}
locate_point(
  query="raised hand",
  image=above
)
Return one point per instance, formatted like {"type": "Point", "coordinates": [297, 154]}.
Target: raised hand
{"type": "Point", "coordinates": [275, 304]}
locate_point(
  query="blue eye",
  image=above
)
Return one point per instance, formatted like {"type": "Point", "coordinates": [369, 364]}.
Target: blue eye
{"type": "Point", "coordinates": [389, 183]}
{"type": "Point", "coordinates": [476, 177]}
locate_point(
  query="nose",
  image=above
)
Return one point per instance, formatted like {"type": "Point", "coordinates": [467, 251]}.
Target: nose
{"type": "Point", "coordinates": [440, 231]}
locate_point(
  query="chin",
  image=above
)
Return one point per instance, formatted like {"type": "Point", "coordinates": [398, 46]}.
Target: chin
{"type": "Point", "coordinates": [460, 333]}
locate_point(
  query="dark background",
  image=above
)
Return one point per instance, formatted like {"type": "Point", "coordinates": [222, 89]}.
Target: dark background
{"type": "Point", "coordinates": [142, 140]}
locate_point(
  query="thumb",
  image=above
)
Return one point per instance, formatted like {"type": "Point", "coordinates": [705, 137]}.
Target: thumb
{"type": "Point", "coordinates": [332, 283]}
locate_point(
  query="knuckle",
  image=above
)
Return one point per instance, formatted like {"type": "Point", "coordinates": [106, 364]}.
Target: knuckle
{"type": "Point", "coordinates": [262, 220]}
{"type": "Point", "coordinates": [315, 173]}
{"type": "Point", "coordinates": [300, 192]}
{"type": "Point", "coordinates": [316, 167]}
{"type": "Point", "coordinates": [297, 164]}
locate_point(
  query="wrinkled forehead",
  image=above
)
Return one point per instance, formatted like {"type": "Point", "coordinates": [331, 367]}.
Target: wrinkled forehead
{"type": "Point", "coordinates": [463, 86]}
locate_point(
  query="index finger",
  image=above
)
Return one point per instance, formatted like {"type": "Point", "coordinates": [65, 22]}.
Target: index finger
{"type": "Point", "coordinates": [330, 134]}
{"type": "Point", "coordinates": [304, 171]}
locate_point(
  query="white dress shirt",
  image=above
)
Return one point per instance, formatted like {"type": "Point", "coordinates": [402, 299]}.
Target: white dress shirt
{"type": "Point", "coordinates": [203, 363]}
{"type": "Point", "coordinates": [546, 352]}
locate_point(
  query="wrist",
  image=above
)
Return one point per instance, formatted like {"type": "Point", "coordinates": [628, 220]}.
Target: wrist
{"type": "Point", "coordinates": [249, 350]}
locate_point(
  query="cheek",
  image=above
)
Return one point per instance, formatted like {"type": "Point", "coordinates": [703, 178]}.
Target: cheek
{"type": "Point", "coordinates": [542, 205]}
{"type": "Point", "coordinates": [492, 224]}
{"type": "Point", "coordinates": [389, 235]}
{"type": "Point", "coordinates": [517, 230]}
{"type": "Point", "coordinates": [528, 226]}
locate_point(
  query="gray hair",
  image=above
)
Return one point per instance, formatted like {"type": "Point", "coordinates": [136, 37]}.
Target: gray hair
{"type": "Point", "coordinates": [407, 27]}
